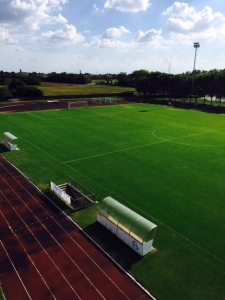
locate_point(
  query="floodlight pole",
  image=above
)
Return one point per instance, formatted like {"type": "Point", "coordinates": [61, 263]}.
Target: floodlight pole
{"type": "Point", "coordinates": [196, 46]}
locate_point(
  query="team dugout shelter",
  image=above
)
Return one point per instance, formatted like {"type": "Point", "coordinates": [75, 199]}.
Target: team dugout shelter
{"type": "Point", "coordinates": [130, 227]}
{"type": "Point", "coordinates": [8, 140]}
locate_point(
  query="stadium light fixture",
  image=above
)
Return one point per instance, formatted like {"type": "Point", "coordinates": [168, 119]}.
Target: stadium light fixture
{"type": "Point", "coordinates": [196, 46]}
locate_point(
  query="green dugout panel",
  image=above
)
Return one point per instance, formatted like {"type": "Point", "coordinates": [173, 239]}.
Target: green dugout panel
{"type": "Point", "coordinates": [8, 139]}
{"type": "Point", "coordinates": [126, 224]}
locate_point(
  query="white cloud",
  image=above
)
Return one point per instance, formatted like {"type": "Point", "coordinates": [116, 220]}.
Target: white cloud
{"type": "Point", "coordinates": [56, 19]}
{"type": "Point", "coordinates": [179, 9]}
{"type": "Point", "coordinates": [19, 49]}
{"type": "Point", "coordinates": [203, 24]}
{"type": "Point", "coordinates": [5, 36]}
{"type": "Point", "coordinates": [128, 5]}
{"type": "Point", "coordinates": [149, 36]}
{"type": "Point", "coordinates": [109, 39]}
{"type": "Point", "coordinates": [106, 43]}
{"type": "Point", "coordinates": [67, 35]}
{"type": "Point", "coordinates": [95, 7]}
{"type": "Point", "coordinates": [30, 12]}
{"type": "Point", "coordinates": [113, 33]}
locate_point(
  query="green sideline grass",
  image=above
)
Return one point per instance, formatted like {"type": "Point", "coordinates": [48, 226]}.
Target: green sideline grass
{"type": "Point", "coordinates": [1, 294]}
{"type": "Point", "coordinates": [167, 164]}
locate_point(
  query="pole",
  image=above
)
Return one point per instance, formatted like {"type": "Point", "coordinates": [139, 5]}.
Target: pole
{"type": "Point", "coordinates": [196, 46]}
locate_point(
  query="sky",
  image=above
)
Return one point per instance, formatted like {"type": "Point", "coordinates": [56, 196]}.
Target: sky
{"type": "Point", "coordinates": [111, 36]}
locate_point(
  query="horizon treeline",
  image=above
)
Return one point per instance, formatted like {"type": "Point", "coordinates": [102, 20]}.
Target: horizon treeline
{"type": "Point", "coordinates": [198, 84]}
{"type": "Point", "coordinates": [147, 83]}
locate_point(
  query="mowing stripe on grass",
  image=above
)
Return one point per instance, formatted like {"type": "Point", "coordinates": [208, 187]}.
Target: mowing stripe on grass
{"type": "Point", "coordinates": [141, 146]}
{"type": "Point", "coordinates": [193, 134]}
{"type": "Point", "coordinates": [34, 116]}
{"type": "Point", "coordinates": [160, 222]}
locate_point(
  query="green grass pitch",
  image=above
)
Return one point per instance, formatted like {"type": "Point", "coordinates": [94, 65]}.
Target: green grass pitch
{"type": "Point", "coordinates": [167, 164]}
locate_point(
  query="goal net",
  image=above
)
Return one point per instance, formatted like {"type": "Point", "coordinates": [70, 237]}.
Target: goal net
{"type": "Point", "coordinates": [110, 100]}
{"type": "Point", "coordinates": [97, 101]}
{"type": "Point", "coordinates": [77, 104]}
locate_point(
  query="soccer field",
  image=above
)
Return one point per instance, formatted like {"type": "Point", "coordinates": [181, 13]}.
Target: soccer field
{"type": "Point", "coordinates": [167, 164]}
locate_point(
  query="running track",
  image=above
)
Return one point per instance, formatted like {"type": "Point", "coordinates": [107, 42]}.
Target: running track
{"type": "Point", "coordinates": [43, 255]}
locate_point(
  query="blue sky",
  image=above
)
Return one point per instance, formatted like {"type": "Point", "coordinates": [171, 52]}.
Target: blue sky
{"type": "Point", "coordinates": [111, 36]}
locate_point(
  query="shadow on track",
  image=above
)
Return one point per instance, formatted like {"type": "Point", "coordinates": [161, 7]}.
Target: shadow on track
{"type": "Point", "coordinates": [112, 245]}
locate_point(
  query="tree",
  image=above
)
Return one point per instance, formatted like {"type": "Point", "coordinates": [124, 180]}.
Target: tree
{"type": "Point", "coordinates": [220, 85]}
{"type": "Point", "coordinates": [33, 92]}
{"type": "Point", "coordinates": [140, 81]}
{"type": "Point", "coordinates": [31, 80]}
{"type": "Point", "coordinates": [82, 79]}
{"type": "Point", "coordinates": [123, 79]}
{"type": "Point", "coordinates": [4, 94]}
{"type": "Point", "coordinates": [210, 84]}
{"type": "Point", "coordinates": [17, 88]}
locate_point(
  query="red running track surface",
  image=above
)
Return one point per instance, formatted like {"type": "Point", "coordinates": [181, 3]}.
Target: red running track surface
{"type": "Point", "coordinates": [44, 255]}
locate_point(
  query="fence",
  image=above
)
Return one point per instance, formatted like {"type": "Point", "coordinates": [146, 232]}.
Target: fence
{"type": "Point", "coordinates": [84, 191]}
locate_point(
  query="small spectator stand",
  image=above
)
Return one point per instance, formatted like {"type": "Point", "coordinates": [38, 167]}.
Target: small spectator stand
{"type": "Point", "coordinates": [130, 227]}
{"type": "Point", "coordinates": [7, 140]}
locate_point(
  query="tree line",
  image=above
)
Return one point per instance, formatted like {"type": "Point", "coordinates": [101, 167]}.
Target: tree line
{"type": "Point", "coordinates": [186, 85]}
{"type": "Point", "coordinates": [21, 86]}
{"type": "Point", "coordinates": [200, 84]}
{"type": "Point", "coordinates": [67, 78]}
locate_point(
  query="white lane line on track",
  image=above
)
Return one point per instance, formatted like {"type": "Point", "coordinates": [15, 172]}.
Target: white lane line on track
{"type": "Point", "coordinates": [39, 245]}
{"type": "Point", "coordinates": [13, 231]}
{"type": "Point", "coordinates": [111, 192]}
{"type": "Point", "coordinates": [11, 105]}
{"type": "Point", "coordinates": [68, 235]}
{"type": "Point", "coordinates": [15, 270]}
{"type": "Point", "coordinates": [52, 238]}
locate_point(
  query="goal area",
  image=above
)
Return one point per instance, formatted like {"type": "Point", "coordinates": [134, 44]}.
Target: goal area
{"type": "Point", "coordinates": [76, 104]}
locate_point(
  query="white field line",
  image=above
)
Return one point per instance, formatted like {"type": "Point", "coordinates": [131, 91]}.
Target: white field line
{"type": "Point", "coordinates": [47, 119]}
{"type": "Point", "coordinates": [183, 237]}
{"type": "Point", "coordinates": [55, 242]}
{"type": "Point", "coordinates": [186, 136]}
{"type": "Point", "coordinates": [66, 233]}
{"type": "Point", "coordinates": [112, 152]}
{"type": "Point", "coordinates": [136, 147]}
{"type": "Point", "coordinates": [15, 270]}
{"type": "Point", "coordinates": [144, 212]}
{"type": "Point", "coordinates": [26, 251]}
{"type": "Point", "coordinates": [101, 186]}
{"type": "Point", "coordinates": [34, 116]}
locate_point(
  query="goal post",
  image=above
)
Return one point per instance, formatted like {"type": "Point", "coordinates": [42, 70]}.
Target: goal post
{"type": "Point", "coordinates": [108, 100]}
{"type": "Point", "coordinates": [76, 104]}
{"type": "Point", "coordinates": [97, 101]}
